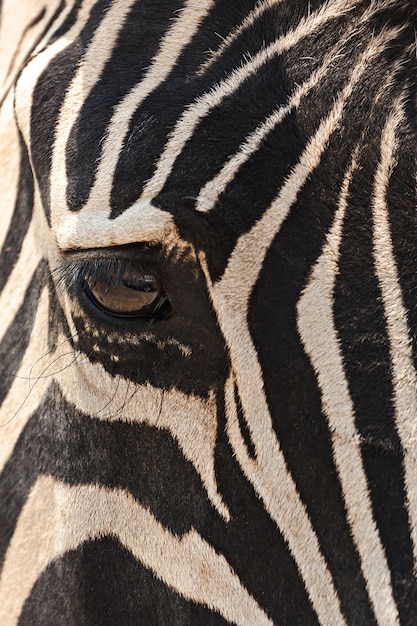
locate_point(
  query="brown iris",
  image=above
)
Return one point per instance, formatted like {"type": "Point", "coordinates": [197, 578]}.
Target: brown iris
{"type": "Point", "coordinates": [128, 294]}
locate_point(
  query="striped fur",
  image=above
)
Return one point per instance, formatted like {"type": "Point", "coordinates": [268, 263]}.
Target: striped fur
{"type": "Point", "coordinates": [250, 459]}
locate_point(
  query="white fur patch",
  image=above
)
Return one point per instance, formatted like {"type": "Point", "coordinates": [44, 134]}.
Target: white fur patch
{"type": "Point", "coordinates": [58, 518]}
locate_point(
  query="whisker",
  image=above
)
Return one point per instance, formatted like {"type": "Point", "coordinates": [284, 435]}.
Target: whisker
{"type": "Point", "coordinates": [41, 376]}
{"type": "Point", "coordinates": [61, 356]}
{"type": "Point", "coordinates": [67, 339]}
{"type": "Point", "coordinates": [109, 402]}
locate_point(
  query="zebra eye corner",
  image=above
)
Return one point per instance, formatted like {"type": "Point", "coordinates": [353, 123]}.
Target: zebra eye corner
{"type": "Point", "coordinates": [131, 295]}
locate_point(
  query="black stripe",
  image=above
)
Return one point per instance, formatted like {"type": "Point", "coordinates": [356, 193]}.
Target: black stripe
{"type": "Point", "coordinates": [79, 449]}
{"type": "Point", "coordinates": [361, 324]}
{"type": "Point", "coordinates": [167, 103]}
{"type": "Point", "coordinates": [295, 404]}
{"type": "Point", "coordinates": [68, 22]}
{"type": "Point", "coordinates": [31, 24]}
{"type": "Point", "coordinates": [252, 544]}
{"type": "Point", "coordinates": [16, 339]}
{"type": "Point", "coordinates": [290, 382]}
{"type": "Point", "coordinates": [131, 56]}
{"type": "Point", "coordinates": [220, 133]}
{"type": "Point", "coordinates": [77, 589]}
{"type": "Point", "coordinates": [257, 182]}
{"type": "Point", "coordinates": [49, 95]}
{"type": "Point", "coordinates": [401, 201]}
{"type": "Point", "coordinates": [21, 219]}
{"type": "Point", "coordinates": [243, 424]}
{"type": "Point", "coordinates": [226, 126]}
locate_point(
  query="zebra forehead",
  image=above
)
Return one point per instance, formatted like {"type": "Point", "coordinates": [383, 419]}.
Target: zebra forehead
{"type": "Point", "coordinates": [127, 112]}
{"type": "Point", "coordinates": [105, 115]}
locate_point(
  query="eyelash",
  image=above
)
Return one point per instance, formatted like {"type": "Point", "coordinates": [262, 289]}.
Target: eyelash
{"type": "Point", "coordinates": [71, 276]}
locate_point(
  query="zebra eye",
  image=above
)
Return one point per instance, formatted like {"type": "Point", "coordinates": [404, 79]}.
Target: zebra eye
{"type": "Point", "coordinates": [128, 294]}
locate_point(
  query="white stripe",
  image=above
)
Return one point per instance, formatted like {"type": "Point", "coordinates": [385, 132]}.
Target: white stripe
{"type": "Point", "coordinates": [190, 420]}
{"type": "Point", "coordinates": [272, 481]}
{"type": "Point", "coordinates": [58, 518]}
{"type": "Point", "coordinates": [15, 43]}
{"type": "Point", "coordinates": [10, 166]}
{"type": "Point", "coordinates": [89, 71]}
{"type": "Point", "coordinates": [172, 45]}
{"type": "Point", "coordinates": [197, 111]}
{"type": "Point", "coordinates": [30, 75]}
{"type": "Point", "coordinates": [247, 22]}
{"type": "Point", "coordinates": [13, 294]}
{"type": "Point", "coordinates": [24, 396]}
{"type": "Point", "coordinates": [319, 336]}
{"type": "Point", "coordinates": [230, 299]}
{"type": "Point", "coordinates": [210, 193]}
{"type": "Point", "coordinates": [402, 365]}
{"type": "Point", "coordinates": [91, 227]}
{"type": "Point", "coordinates": [69, 5]}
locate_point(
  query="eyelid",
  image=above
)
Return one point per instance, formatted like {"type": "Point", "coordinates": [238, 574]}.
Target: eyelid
{"type": "Point", "coordinates": [71, 275]}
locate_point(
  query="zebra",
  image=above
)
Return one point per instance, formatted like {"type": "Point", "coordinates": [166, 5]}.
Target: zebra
{"type": "Point", "coordinates": [208, 312]}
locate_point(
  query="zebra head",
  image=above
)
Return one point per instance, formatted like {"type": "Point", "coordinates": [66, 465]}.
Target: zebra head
{"type": "Point", "coordinates": [209, 392]}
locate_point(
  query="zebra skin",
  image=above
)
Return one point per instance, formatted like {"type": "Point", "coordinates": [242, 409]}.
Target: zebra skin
{"type": "Point", "coordinates": [208, 305]}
